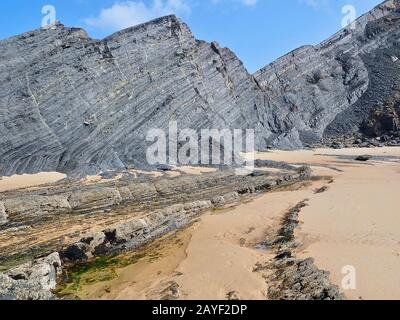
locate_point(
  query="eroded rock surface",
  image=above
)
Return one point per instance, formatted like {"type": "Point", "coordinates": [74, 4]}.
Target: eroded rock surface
{"type": "Point", "coordinates": [120, 214]}
{"type": "Point", "coordinates": [31, 281]}
{"type": "Point", "coordinates": [135, 232]}
{"type": "Point", "coordinates": [291, 278]}
{"type": "Point", "coordinates": [45, 219]}
{"type": "Point", "coordinates": [328, 90]}
{"type": "Point", "coordinates": [78, 105]}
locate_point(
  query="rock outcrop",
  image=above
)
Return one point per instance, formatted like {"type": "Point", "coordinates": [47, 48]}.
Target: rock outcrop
{"type": "Point", "coordinates": [384, 120]}
{"type": "Point", "coordinates": [35, 205]}
{"type": "Point", "coordinates": [77, 105]}
{"type": "Point", "coordinates": [135, 232]}
{"type": "Point", "coordinates": [329, 89]}
{"type": "Point", "coordinates": [31, 281]}
{"type": "Point", "coordinates": [120, 214]}
{"type": "Point", "coordinates": [142, 229]}
{"type": "Point", "coordinates": [114, 217]}
{"type": "Point", "coordinates": [288, 277]}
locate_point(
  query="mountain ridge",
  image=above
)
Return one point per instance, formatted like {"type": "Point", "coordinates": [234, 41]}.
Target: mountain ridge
{"type": "Point", "coordinates": [80, 106]}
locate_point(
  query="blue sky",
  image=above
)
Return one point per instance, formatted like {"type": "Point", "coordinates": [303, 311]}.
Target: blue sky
{"type": "Point", "coordinates": [258, 31]}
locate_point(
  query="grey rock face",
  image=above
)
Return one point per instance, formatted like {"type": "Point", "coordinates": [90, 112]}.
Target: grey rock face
{"type": "Point", "coordinates": [329, 89]}
{"type": "Point", "coordinates": [31, 281]}
{"type": "Point", "coordinates": [78, 105]}
{"type": "Point", "coordinates": [36, 205]}
{"type": "Point", "coordinates": [74, 104]}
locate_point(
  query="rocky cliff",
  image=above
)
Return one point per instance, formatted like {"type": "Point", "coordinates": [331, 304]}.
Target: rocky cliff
{"type": "Point", "coordinates": [78, 105]}
{"type": "Point", "coordinates": [330, 89]}
{"type": "Point", "coordinates": [71, 103]}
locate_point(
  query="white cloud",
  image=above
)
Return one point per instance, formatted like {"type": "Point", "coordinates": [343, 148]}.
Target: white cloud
{"type": "Point", "coordinates": [244, 2]}
{"type": "Point", "coordinates": [129, 13]}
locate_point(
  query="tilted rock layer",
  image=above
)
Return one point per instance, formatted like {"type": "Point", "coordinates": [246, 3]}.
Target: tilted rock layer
{"type": "Point", "coordinates": [77, 105]}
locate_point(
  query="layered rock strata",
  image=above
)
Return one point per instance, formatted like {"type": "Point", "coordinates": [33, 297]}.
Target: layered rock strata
{"type": "Point", "coordinates": [45, 219]}
{"type": "Point", "coordinates": [110, 221]}
{"type": "Point", "coordinates": [78, 105]}
{"type": "Point", "coordinates": [291, 278]}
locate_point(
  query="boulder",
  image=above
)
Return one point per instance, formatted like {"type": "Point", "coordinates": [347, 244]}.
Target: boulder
{"type": "Point", "coordinates": [363, 158]}
{"type": "Point", "coordinates": [228, 198]}
{"type": "Point", "coordinates": [77, 252]}
{"type": "Point", "coordinates": [125, 193]}
{"type": "Point", "coordinates": [31, 281]}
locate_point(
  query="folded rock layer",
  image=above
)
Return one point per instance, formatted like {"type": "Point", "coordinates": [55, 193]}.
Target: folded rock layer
{"type": "Point", "coordinates": [77, 105]}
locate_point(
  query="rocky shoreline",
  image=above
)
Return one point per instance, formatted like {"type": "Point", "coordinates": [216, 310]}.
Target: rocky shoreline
{"type": "Point", "coordinates": [166, 213]}
{"type": "Point", "coordinates": [81, 106]}
{"type": "Point", "coordinates": [106, 237]}
{"type": "Point", "coordinates": [390, 139]}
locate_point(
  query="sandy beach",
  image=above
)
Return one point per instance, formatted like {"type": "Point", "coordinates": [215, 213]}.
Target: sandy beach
{"type": "Point", "coordinates": [212, 258]}
{"type": "Point", "coordinates": [353, 222]}
{"type": "Point", "coordinates": [16, 182]}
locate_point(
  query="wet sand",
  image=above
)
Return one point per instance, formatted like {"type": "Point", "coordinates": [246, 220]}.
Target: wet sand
{"type": "Point", "coordinates": [210, 259]}
{"type": "Point", "coordinates": [148, 278]}
{"type": "Point", "coordinates": [355, 223]}
{"type": "Point", "coordinates": [222, 252]}
{"type": "Point", "coordinates": [29, 180]}
{"type": "Point", "coordinates": [352, 222]}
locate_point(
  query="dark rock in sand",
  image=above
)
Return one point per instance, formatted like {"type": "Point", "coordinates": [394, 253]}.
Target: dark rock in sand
{"type": "Point", "coordinates": [363, 158]}
{"type": "Point", "coordinates": [290, 278]}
